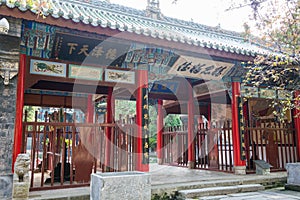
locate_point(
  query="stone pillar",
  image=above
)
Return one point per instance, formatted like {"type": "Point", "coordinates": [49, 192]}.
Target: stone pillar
{"type": "Point", "coordinates": [9, 58]}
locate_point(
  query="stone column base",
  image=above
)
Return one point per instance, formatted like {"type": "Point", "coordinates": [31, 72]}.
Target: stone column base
{"type": "Point", "coordinates": [293, 179]}
{"type": "Point", "coordinates": [239, 170]}
{"type": "Point", "coordinates": [159, 161]}
{"type": "Point", "coordinates": [191, 164]}
{"type": "Point", "coordinates": [6, 186]}
{"type": "Point", "coordinates": [120, 185]}
{"type": "Point", "coordinates": [21, 190]}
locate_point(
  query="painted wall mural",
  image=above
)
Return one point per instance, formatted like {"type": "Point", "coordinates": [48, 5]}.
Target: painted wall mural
{"type": "Point", "coordinates": [119, 76]}
{"type": "Point", "coordinates": [85, 72]}
{"type": "Point", "coordinates": [48, 68]}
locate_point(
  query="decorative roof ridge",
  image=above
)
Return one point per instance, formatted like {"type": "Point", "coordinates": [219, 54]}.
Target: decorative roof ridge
{"type": "Point", "coordinates": [220, 31]}
{"type": "Point", "coordinates": [106, 6]}
{"type": "Point", "coordinates": [114, 16]}
{"type": "Point", "coordinates": [159, 21]}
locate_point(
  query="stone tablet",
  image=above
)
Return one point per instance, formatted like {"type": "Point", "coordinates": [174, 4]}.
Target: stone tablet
{"type": "Point", "coordinates": [262, 164]}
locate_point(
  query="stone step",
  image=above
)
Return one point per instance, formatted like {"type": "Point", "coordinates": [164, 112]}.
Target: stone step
{"type": "Point", "coordinates": [220, 190]}
{"type": "Point", "coordinates": [267, 181]}
{"type": "Point", "coordinates": [172, 187]}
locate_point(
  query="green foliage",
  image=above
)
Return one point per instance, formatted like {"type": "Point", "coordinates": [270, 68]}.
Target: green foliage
{"type": "Point", "coordinates": [172, 120]}
{"type": "Point", "coordinates": [279, 73]}
{"type": "Point", "coordinates": [276, 21]}
{"type": "Point", "coordinates": [165, 196]}
{"type": "Point", "coordinates": [278, 25]}
{"type": "Point", "coordinates": [31, 112]}
{"type": "Point", "coordinates": [38, 6]}
{"type": "Point", "coordinates": [124, 108]}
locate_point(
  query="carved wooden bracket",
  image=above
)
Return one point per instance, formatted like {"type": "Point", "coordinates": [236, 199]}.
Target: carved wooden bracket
{"type": "Point", "coordinates": [8, 70]}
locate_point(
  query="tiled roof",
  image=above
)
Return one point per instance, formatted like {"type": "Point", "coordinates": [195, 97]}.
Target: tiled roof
{"type": "Point", "coordinates": [104, 14]}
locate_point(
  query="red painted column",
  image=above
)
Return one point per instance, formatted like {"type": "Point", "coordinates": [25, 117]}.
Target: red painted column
{"type": "Point", "coordinates": [108, 130]}
{"type": "Point", "coordinates": [297, 124]}
{"type": "Point", "coordinates": [160, 126]}
{"type": "Point", "coordinates": [239, 165]}
{"type": "Point", "coordinates": [209, 115]}
{"type": "Point", "coordinates": [90, 109]}
{"type": "Point", "coordinates": [89, 118]}
{"type": "Point", "coordinates": [191, 134]}
{"type": "Point", "coordinates": [142, 82]}
{"type": "Point", "coordinates": [19, 109]}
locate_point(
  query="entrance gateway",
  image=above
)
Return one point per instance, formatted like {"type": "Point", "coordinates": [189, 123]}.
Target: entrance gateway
{"type": "Point", "coordinates": [87, 54]}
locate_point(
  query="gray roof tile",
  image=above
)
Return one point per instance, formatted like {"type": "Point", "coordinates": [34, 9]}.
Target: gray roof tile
{"type": "Point", "coordinates": [101, 13]}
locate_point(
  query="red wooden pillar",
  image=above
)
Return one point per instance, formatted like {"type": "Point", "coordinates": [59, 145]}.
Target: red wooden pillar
{"type": "Point", "coordinates": [19, 109]}
{"type": "Point", "coordinates": [239, 165]}
{"type": "Point", "coordinates": [89, 117]}
{"type": "Point", "coordinates": [160, 126]}
{"type": "Point", "coordinates": [90, 109]}
{"type": "Point", "coordinates": [208, 115]}
{"type": "Point", "coordinates": [108, 130]}
{"type": "Point", "coordinates": [191, 134]}
{"type": "Point", "coordinates": [142, 83]}
{"type": "Point", "coordinates": [297, 124]}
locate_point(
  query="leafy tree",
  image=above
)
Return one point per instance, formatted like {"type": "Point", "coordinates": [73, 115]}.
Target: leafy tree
{"type": "Point", "coordinates": [38, 6]}
{"type": "Point", "coordinates": [124, 108]}
{"type": "Point", "coordinates": [278, 23]}
{"type": "Point", "coordinates": [172, 120]}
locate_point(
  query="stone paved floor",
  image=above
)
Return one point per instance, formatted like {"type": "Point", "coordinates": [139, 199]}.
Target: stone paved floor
{"type": "Point", "coordinates": [275, 194]}
{"type": "Point", "coordinates": [162, 176]}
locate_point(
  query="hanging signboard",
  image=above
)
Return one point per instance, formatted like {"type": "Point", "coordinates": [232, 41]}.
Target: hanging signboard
{"type": "Point", "coordinates": [206, 69]}
{"type": "Point", "coordinates": [104, 52]}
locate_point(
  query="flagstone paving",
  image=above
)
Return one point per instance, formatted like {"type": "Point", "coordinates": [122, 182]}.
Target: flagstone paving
{"type": "Point", "coordinates": [166, 178]}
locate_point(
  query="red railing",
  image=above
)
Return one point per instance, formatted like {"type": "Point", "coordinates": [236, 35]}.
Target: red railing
{"type": "Point", "coordinates": [64, 154]}
{"type": "Point", "coordinates": [273, 142]}
{"type": "Point", "coordinates": [213, 146]}
{"type": "Point", "coordinates": [175, 145]}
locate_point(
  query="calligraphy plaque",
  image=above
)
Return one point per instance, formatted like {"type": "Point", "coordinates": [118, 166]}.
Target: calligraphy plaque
{"type": "Point", "coordinates": [101, 51]}
{"type": "Point", "coordinates": [200, 68]}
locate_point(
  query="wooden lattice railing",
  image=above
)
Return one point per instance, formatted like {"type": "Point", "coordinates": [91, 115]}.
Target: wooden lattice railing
{"type": "Point", "coordinates": [64, 154]}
